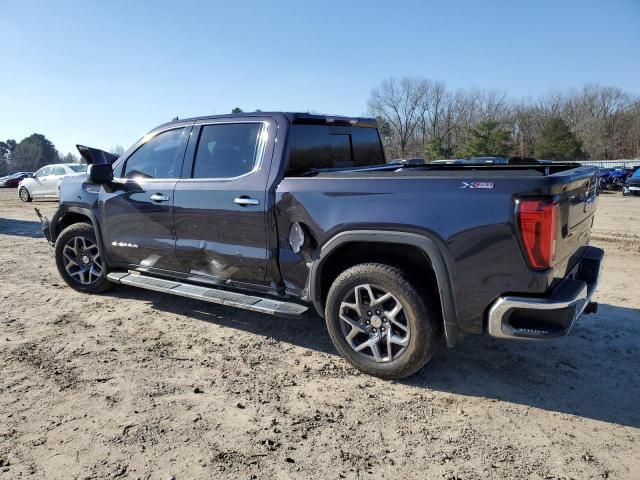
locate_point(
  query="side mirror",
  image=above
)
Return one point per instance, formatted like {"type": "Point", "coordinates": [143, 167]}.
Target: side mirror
{"type": "Point", "coordinates": [100, 173]}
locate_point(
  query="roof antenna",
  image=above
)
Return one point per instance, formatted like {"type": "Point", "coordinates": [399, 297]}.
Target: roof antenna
{"type": "Point", "coordinates": [175, 119]}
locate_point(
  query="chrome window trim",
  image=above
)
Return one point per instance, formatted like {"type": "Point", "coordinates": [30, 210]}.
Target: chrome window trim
{"type": "Point", "coordinates": [263, 140]}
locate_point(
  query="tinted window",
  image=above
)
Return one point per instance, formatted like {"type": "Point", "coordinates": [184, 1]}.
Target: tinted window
{"type": "Point", "coordinates": [160, 157]}
{"type": "Point", "coordinates": [78, 168]}
{"type": "Point", "coordinates": [367, 149]}
{"type": "Point", "coordinates": [322, 146]}
{"type": "Point", "coordinates": [340, 150]}
{"type": "Point", "coordinates": [226, 150]}
{"type": "Point", "coordinates": [58, 171]}
{"type": "Point", "coordinates": [43, 172]}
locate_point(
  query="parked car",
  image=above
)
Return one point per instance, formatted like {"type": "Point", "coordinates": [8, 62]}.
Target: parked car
{"type": "Point", "coordinates": [489, 160]}
{"type": "Point", "coordinates": [14, 179]}
{"type": "Point", "coordinates": [45, 182]}
{"type": "Point", "coordinates": [279, 212]}
{"type": "Point", "coordinates": [612, 178]}
{"type": "Point", "coordinates": [632, 184]}
{"type": "Point", "coordinates": [450, 161]}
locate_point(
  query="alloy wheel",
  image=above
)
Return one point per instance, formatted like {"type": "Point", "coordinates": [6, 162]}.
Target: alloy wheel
{"type": "Point", "coordinates": [82, 261]}
{"type": "Point", "coordinates": [374, 323]}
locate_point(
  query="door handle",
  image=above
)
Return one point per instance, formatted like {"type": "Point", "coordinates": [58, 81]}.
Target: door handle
{"type": "Point", "coordinates": [158, 197]}
{"type": "Point", "coordinates": [245, 201]}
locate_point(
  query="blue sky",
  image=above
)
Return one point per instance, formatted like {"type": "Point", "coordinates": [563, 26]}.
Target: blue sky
{"type": "Point", "coordinates": [103, 73]}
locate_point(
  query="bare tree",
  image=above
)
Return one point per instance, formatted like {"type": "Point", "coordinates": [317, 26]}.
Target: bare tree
{"type": "Point", "coordinates": [421, 117]}
{"type": "Point", "coordinates": [117, 150]}
{"type": "Point", "coordinates": [398, 102]}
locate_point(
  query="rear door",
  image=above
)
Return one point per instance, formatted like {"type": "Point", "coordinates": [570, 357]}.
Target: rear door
{"type": "Point", "coordinates": [137, 216]}
{"type": "Point", "coordinates": [220, 201]}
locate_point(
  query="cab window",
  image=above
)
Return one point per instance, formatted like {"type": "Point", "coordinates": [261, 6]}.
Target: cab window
{"type": "Point", "coordinates": [324, 147]}
{"type": "Point", "coordinates": [160, 157]}
{"type": "Point", "coordinates": [227, 150]}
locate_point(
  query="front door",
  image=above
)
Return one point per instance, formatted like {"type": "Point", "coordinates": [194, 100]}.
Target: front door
{"type": "Point", "coordinates": [41, 181]}
{"type": "Point", "coordinates": [220, 202]}
{"type": "Point", "coordinates": [137, 215]}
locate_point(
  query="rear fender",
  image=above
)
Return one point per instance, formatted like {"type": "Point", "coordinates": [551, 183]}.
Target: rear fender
{"type": "Point", "coordinates": [427, 245]}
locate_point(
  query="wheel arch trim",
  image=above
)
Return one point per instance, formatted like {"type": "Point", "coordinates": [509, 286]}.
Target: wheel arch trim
{"type": "Point", "coordinates": [427, 245]}
{"type": "Point", "coordinates": [64, 209]}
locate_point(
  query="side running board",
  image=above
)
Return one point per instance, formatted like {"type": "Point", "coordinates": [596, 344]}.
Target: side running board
{"type": "Point", "coordinates": [211, 295]}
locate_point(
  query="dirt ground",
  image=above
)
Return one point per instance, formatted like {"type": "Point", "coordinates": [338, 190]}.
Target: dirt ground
{"type": "Point", "coordinates": [134, 384]}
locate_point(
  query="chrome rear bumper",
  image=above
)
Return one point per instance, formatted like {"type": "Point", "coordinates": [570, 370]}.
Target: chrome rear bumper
{"type": "Point", "coordinates": [538, 318]}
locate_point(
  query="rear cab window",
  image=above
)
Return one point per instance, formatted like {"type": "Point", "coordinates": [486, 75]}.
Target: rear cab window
{"type": "Point", "coordinates": [326, 146]}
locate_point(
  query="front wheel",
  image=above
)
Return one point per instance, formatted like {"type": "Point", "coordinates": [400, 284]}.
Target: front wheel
{"type": "Point", "coordinates": [79, 261]}
{"type": "Point", "coordinates": [24, 194]}
{"type": "Point", "coordinates": [379, 321]}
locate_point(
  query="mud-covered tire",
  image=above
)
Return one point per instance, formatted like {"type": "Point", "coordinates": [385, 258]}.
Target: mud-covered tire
{"type": "Point", "coordinates": [420, 317]}
{"type": "Point", "coordinates": [74, 244]}
{"type": "Point", "coordinates": [24, 195]}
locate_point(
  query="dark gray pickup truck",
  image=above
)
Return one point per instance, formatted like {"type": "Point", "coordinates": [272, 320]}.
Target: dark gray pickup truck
{"type": "Point", "coordinates": [276, 212]}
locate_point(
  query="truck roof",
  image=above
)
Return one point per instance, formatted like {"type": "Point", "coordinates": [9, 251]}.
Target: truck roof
{"type": "Point", "coordinates": [293, 117]}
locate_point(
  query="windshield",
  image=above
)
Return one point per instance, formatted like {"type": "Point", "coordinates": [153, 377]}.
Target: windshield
{"type": "Point", "coordinates": [636, 174]}
{"type": "Point", "coordinates": [78, 168]}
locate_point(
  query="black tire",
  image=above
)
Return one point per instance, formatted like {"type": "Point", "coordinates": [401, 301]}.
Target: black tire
{"type": "Point", "coordinates": [81, 237]}
{"type": "Point", "coordinates": [420, 316]}
{"type": "Point", "coordinates": [24, 195]}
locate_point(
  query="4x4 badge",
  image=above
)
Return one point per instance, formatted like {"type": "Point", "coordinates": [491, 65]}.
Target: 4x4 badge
{"type": "Point", "coordinates": [477, 185]}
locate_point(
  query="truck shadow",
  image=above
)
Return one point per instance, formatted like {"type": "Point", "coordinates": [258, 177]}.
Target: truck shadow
{"type": "Point", "coordinates": [592, 373]}
{"type": "Point", "coordinates": [21, 228]}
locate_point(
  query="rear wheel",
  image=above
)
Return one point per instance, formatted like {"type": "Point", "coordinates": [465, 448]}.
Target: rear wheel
{"type": "Point", "coordinates": [24, 194]}
{"type": "Point", "coordinates": [79, 261]}
{"type": "Point", "coordinates": [379, 321]}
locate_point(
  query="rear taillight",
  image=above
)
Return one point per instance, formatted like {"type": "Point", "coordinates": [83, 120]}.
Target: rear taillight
{"type": "Point", "coordinates": [537, 219]}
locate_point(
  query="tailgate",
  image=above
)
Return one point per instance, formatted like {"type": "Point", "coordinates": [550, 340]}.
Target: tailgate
{"type": "Point", "coordinates": [578, 201]}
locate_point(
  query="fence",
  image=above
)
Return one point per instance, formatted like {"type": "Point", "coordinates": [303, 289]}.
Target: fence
{"type": "Point", "coordinates": [612, 163]}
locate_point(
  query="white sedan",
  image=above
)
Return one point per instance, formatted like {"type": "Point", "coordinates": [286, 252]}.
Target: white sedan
{"type": "Point", "coordinates": [45, 183]}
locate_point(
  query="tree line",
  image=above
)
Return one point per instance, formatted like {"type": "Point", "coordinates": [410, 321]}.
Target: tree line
{"type": "Point", "coordinates": [423, 118]}
{"type": "Point", "coordinates": [34, 152]}
{"type": "Point", "coordinates": [30, 154]}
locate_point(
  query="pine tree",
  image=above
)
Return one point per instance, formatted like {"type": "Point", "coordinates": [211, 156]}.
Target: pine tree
{"type": "Point", "coordinates": [557, 142]}
{"type": "Point", "coordinates": [487, 139]}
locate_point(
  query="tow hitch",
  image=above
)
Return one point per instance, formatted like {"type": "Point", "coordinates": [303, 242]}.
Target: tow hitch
{"type": "Point", "coordinates": [46, 230]}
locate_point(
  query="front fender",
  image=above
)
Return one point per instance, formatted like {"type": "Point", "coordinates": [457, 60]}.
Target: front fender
{"type": "Point", "coordinates": [55, 227]}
